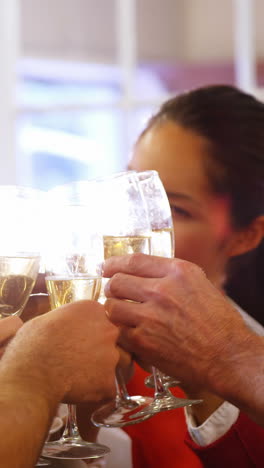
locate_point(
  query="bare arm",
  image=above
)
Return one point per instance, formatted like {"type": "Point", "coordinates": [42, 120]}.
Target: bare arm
{"type": "Point", "coordinates": [240, 379]}
{"type": "Point", "coordinates": [183, 325]}
{"type": "Point", "coordinates": [26, 414]}
{"type": "Point", "coordinates": [67, 354]}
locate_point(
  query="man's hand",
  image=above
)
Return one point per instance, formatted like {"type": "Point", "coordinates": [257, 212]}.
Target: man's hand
{"type": "Point", "coordinates": [175, 319]}
{"type": "Point", "coordinates": [70, 351]}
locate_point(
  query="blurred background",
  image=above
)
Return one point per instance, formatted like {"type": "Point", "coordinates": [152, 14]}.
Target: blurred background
{"type": "Point", "coordinates": [80, 78]}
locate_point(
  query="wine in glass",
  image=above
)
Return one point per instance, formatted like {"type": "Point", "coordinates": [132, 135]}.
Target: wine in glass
{"type": "Point", "coordinates": [19, 246]}
{"type": "Point", "coordinates": [73, 272]}
{"type": "Point", "coordinates": [162, 244]}
{"type": "Point", "coordinates": [126, 230]}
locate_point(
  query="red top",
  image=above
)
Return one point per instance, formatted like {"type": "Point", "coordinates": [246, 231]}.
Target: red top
{"type": "Point", "coordinates": [163, 440]}
{"type": "Point", "coordinates": [159, 441]}
{"type": "Point", "coordinates": [241, 447]}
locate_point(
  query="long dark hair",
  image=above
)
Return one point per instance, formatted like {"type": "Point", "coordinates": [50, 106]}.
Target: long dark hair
{"type": "Point", "coordinates": [233, 124]}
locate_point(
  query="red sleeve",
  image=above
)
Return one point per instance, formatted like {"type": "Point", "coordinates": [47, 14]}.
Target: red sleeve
{"type": "Point", "coordinates": [241, 447]}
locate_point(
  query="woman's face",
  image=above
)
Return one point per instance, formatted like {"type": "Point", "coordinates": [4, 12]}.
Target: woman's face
{"type": "Point", "coordinates": [202, 223]}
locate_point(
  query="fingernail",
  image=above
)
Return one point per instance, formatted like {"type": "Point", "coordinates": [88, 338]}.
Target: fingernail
{"type": "Point", "coordinates": [100, 269]}
{"type": "Point", "coordinates": [107, 288]}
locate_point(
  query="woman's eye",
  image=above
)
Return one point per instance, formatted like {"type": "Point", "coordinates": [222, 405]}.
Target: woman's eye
{"type": "Point", "coordinates": [178, 211]}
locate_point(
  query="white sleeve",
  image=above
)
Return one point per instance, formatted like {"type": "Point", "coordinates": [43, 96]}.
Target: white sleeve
{"type": "Point", "coordinates": [226, 415]}
{"type": "Point", "coordinates": [214, 427]}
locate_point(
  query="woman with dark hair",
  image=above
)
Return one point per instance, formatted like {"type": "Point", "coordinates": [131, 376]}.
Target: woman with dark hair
{"type": "Point", "coordinates": [208, 147]}
{"type": "Point", "coordinates": [231, 125]}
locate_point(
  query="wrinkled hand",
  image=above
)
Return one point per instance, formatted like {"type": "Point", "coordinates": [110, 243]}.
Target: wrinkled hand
{"type": "Point", "coordinates": [179, 321]}
{"type": "Point", "coordinates": [8, 328]}
{"type": "Point", "coordinates": [71, 350]}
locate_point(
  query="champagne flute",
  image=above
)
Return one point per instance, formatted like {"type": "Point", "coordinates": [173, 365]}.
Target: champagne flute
{"type": "Point", "coordinates": [19, 246]}
{"type": "Point", "coordinates": [73, 272]}
{"type": "Point", "coordinates": [162, 244]}
{"type": "Point", "coordinates": [22, 209]}
{"type": "Point", "coordinates": [126, 229]}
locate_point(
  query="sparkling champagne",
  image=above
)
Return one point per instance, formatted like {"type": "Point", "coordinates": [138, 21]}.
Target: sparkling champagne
{"type": "Point", "coordinates": [17, 279]}
{"type": "Point", "coordinates": [65, 290]}
{"type": "Point", "coordinates": [162, 244]}
{"type": "Point", "coordinates": [123, 245]}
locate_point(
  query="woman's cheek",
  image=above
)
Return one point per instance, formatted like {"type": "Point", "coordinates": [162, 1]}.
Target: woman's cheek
{"type": "Point", "coordinates": [197, 247]}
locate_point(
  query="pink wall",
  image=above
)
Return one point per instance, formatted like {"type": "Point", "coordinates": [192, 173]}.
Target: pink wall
{"type": "Point", "coordinates": [185, 76]}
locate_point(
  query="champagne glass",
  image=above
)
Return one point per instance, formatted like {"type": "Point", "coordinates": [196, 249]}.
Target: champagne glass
{"type": "Point", "coordinates": [162, 244]}
{"type": "Point", "coordinates": [73, 272]}
{"type": "Point", "coordinates": [20, 246]}
{"type": "Point", "coordinates": [126, 229]}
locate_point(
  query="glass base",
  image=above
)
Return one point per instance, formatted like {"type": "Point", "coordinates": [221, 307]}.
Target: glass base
{"type": "Point", "coordinates": [77, 449]}
{"type": "Point", "coordinates": [42, 462]}
{"type": "Point", "coordinates": [164, 403]}
{"type": "Point", "coordinates": [118, 413]}
{"type": "Point", "coordinates": [167, 381]}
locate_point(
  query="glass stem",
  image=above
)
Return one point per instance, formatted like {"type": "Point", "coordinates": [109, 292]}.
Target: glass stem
{"type": "Point", "coordinates": [160, 389]}
{"type": "Point", "coordinates": [121, 388]}
{"type": "Point", "coordinates": [122, 395]}
{"type": "Point", "coordinates": [71, 431]}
